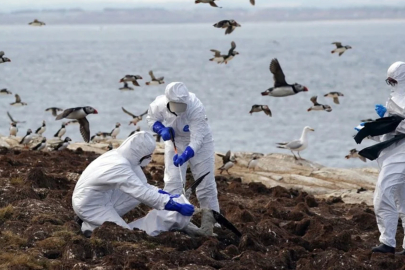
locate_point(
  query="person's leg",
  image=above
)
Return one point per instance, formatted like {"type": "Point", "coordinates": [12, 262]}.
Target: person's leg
{"type": "Point", "coordinates": [122, 202]}
{"type": "Point", "coordinates": [95, 218]}
{"type": "Point", "coordinates": [201, 163]}
{"type": "Point", "coordinates": [173, 181]}
{"type": "Point", "coordinates": [400, 202]}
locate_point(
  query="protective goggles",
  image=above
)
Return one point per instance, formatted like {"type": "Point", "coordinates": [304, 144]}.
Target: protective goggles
{"type": "Point", "coordinates": [391, 81]}
{"type": "Point", "coordinates": [176, 107]}
{"type": "Point", "coordinates": [145, 157]}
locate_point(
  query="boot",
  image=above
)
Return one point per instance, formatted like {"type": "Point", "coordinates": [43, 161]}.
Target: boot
{"type": "Point", "coordinates": [87, 233]}
{"type": "Point", "coordinates": [400, 253]}
{"type": "Point", "coordinates": [78, 220]}
{"type": "Point", "coordinates": [383, 248]}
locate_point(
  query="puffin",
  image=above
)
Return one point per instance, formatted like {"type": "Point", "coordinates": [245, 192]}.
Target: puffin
{"type": "Point", "coordinates": [211, 2]}
{"type": "Point", "coordinates": [355, 154]}
{"type": "Point", "coordinates": [228, 162]}
{"type": "Point", "coordinates": [135, 131]}
{"type": "Point", "coordinates": [131, 78]}
{"type": "Point", "coordinates": [5, 92]}
{"type": "Point", "coordinates": [126, 87]}
{"type": "Point", "coordinates": [335, 96]}
{"type": "Point", "coordinates": [105, 134]}
{"type": "Point", "coordinates": [96, 138]}
{"type": "Point", "coordinates": [3, 59]}
{"type": "Point", "coordinates": [319, 107]}
{"type": "Point", "coordinates": [253, 163]}
{"type": "Point", "coordinates": [230, 25]}
{"type": "Point", "coordinates": [40, 146]}
{"type": "Point", "coordinates": [114, 133]}
{"type": "Point", "coordinates": [252, 2]}
{"type": "Point", "coordinates": [155, 81]}
{"type": "Point", "coordinates": [135, 118]}
{"type": "Point", "coordinates": [41, 129]}
{"type": "Point", "coordinates": [18, 101]}
{"type": "Point", "coordinates": [36, 23]}
{"type": "Point", "coordinates": [281, 88]}
{"type": "Point", "coordinates": [13, 129]}
{"type": "Point", "coordinates": [27, 138]}
{"type": "Point", "coordinates": [62, 145]}
{"type": "Point", "coordinates": [339, 48]}
{"type": "Point", "coordinates": [218, 57]}
{"type": "Point", "coordinates": [72, 122]}
{"type": "Point", "coordinates": [54, 110]}
{"type": "Point", "coordinates": [260, 108]}
{"type": "Point", "coordinates": [110, 147]}
{"type": "Point", "coordinates": [79, 114]}
{"type": "Point", "coordinates": [12, 120]}
{"type": "Point", "coordinates": [231, 54]}
{"type": "Point", "coordinates": [61, 131]}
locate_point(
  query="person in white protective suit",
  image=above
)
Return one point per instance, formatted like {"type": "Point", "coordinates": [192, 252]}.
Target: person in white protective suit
{"type": "Point", "coordinates": [389, 195]}
{"type": "Point", "coordinates": [114, 184]}
{"type": "Point", "coordinates": [181, 114]}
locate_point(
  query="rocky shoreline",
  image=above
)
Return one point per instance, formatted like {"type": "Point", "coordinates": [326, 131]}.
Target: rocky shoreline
{"type": "Point", "coordinates": [292, 215]}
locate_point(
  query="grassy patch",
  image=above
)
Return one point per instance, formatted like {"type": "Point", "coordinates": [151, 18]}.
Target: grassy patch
{"type": "Point", "coordinates": [16, 181]}
{"type": "Point", "coordinates": [6, 213]}
{"type": "Point", "coordinates": [52, 243]}
{"type": "Point", "coordinates": [13, 260]}
{"type": "Point", "coordinates": [8, 239]}
{"type": "Point", "coordinates": [67, 235]}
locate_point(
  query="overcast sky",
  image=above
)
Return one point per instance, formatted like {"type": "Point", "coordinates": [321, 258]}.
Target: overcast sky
{"type": "Point", "coordinates": [100, 4]}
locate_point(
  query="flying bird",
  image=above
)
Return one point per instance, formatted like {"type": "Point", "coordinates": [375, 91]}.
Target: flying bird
{"type": "Point", "coordinates": [230, 25]}
{"type": "Point", "coordinates": [335, 96]}
{"type": "Point", "coordinates": [299, 145]}
{"type": "Point", "coordinates": [261, 108]}
{"type": "Point", "coordinates": [131, 78]}
{"type": "Point", "coordinates": [79, 114]}
{"type": "Point", "coordinates": [3, 59]}
{"type": "Point", "coordinates": [354, 154]}
{"type": "Point", "coordinates": [5, 92]}
{"type": "Point", "coordinates": [18, 102]}
{"type": "Point", "coordinates": [126, 87]}
{"type": "Point", "coordinates": [319, 107]}
{"type": "Point", "coordinates": [155, 81]}
{"type": "Point", "coordinates": [135, 118]}
{"type": "Point", "coordinates": [36, 23]}
{"type": "Point", "coordinates": [281, 88]}
{"type": "Point", "coordinates": [12, 120]}
{"type": "Point", "coordinates": [224, 58]}
{"type": "Point", "coordinates": [211, 2]}
{"type": "Point", "coordinates": [54, 110]}
{"type": "Point", "coordinates": [41, 145]}
{"type": "Point", "coordinates": [72, 122]}
{"type": "Point", "coordinates": [228, 162]}
{"type": "Point", "coordinates": [340, 49]}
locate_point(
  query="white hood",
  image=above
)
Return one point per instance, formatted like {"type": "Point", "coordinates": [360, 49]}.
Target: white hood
{"type": "Point", "coordinates": [397, 72]}
{"type": "Point", "coordinates": [136, 147]}
{"type": "Point", "coordinates": [178, 92]}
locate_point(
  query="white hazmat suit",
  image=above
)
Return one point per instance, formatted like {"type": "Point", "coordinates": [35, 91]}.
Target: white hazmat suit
{"type": "Point", "coordinates": [114, 184]}
{"type": "Point", "coordinates": [389, 195]}
{"type": "Point", "coordinates": [191, 129]}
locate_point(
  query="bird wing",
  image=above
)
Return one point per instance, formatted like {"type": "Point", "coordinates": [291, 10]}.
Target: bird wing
{"type": "Point", "coordinates": [127, 112]}
{"type": "Point", "coordinates": [233, 46]}
{"type": "Point", "coordinates": [227, 157]}
{"type": "Point", "coordinates": [338, 44]}
{"type": "Point", "coordinates": [220, 24]}
{"type": "Point", "coordinates": [57, 132]}
{"type": "Point", "coordinates": [17, 98]}
{"type": "Point", "coordinates": [1, 53]}
{"type": "Point", "coordinates": [11, 118]}
{"type": "Point", "coordinates": [160, 78]}
{"type": "Point", "coordinates": [134, 82]}
{"type": "Point", "coordinates": [313, 99]}
{"type": "Point", "coordinates": [278, 75]}
{"type": "Point", "coordinates": [336, 100]}
{"type": "Point", "coordinates": [217, 53]}
{"type": "Point", "coordinates": [252, 2]}
{"type": "Point", "coordinates": [229, 29]}
{"type": "Point", "coordinates": [266, 110]}
{"type": "Point", "coordinates": [38, 129]}
{"type": "Point", "coordinates": [146, 112]}
{"type": "Point", "coordinates": [67, 112]}
{"type": "Point", "coordinates": [37, 146]}
{"type": "Point", "coordinates": [294, 145]}
{"type": "Point", "coordinates": [84, 128]}
{"type": "Point", "coordinates": [151, 75]}
{"type": "Point", "coordinates": [362, 158]}
{"type": "Point", "coordinates": [212, 3]}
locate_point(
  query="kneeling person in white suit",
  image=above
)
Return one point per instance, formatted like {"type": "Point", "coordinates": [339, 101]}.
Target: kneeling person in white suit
{"type": "Point", "coordinates": [114, 184]}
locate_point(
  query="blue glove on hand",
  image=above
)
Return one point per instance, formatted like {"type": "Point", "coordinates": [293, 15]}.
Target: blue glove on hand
{"type": "Point", "coordinates": [161, 191]}
{"type": "Point", "coordinates": [380, 110]}
{"type": "Point", "coordinates": [359, 127]}
{"type": "Point", "coordinates": [180, 160]}
{"type": "Point", "coordinates": [163, 131]}
{"type": "Point", "coordinates": [182, 208]}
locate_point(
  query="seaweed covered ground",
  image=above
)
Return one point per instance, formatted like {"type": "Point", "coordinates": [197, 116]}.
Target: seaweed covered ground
{"type": "Point", "coordinates": [282, 229]}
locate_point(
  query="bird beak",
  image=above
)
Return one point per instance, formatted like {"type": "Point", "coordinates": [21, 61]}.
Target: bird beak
{"type": "Point", "coordinates": [95, 111]}
{"type": "Point", "coordinates": [312, 129]}
{"type": "Point", "coordinates": [305, 89]}
{"type": "Point", "coordinates": [121, 81]}
{"type": "Point", "coordinates": [141, 78]}
{"type": "Point", "coordinates": [129, 123]}
{"type": "Point", "coordinates": [265, 93]}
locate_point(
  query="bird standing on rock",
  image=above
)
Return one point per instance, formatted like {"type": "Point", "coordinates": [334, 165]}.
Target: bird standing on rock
{"type": "Point", "coordinates": [61, 131]}
{"type": "Point", "coordinates": [41, 129]}
{"type": "Point", "coordinates": [13, 129]}
{"type": "Point", "coordinates": [41, 145]}
{"type": "Point", "coordinates": [27, 138]}
{"type": "Point", "coordinates": [115, 131]}
{"type": "Point", "coordinates": [79, 114]}
{"type": "Point", "coordinates": [253, 163]}
{"type": "Point", "coordinates": [228, 162]}
{"type": "Point", "coordinates": [62, 145]}
{"type": "Point", "coordinates": [298, 145]}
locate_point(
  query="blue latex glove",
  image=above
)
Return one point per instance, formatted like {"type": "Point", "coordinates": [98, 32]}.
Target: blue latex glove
{"type": "Point", "coordinates": [163, 131]}
{"type": "Point", "coordinates": [357, 128]}
{"type": "Point", "coordinates": [180, 160]}
{"type": "Point", "coordinates": [161, 191]}
{"type": "Point", "coordinates": [182, 208]}
{"type": "Point", "coordinates": [380, 110]}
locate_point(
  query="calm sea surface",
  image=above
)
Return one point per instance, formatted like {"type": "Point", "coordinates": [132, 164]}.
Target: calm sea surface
{"type": "Point", "coordinates": [69, 66]}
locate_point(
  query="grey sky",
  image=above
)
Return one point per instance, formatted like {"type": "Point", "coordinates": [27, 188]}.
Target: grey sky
{"type": "Point", "coordinates": [100, 4]}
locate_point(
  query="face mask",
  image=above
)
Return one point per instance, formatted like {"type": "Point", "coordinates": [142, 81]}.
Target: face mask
{"type": "Point", "coordinates": [145, 161]}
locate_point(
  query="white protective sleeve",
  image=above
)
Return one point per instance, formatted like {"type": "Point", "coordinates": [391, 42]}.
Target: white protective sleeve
{"type": "Point", "coordinates": [198, 127]}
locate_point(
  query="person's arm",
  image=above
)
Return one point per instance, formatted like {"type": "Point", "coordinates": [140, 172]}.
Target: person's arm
{"type": "Point", "coordinates": [198, 128]}
{"type": "Point", "coordinates": [154, 115]}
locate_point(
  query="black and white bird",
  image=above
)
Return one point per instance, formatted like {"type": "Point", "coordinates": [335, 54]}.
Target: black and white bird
{"type": "Point", "coordinates": [260, 108]}
{"type": "Point", "coordinates": [41, 145]}
{"type": "Point", "coordinates": [126, 87]}
{"type": "Point", "coordinates": [298, 145]}
{"type": "Point", "coordinates": [154, 80]}
{"type": "Point", "coordinates": [131, 78]}
{"type": "Point", "coordinates": [230, 25]}
{"type": "Point", "coordinates": [5, 92]}
{"type": "Point", "coordinates": [335, 96]}
{"type": "Point", "coordinates": [41, 129]}
{"type": "Point", "coordinates": [62, 145]}
{"type": "Point", "coordinates": [18, 102]}
{"type": "Point", "coordinates": [135, 118]}
{"type": "Point", "coordinates": [228, 162]}
{"type": "Point", "coordinates": [211, 2]}
{"type": "Point", "coordinates": [110, 147]}
{"type": "Point", "coordinates": [61, 131]}
{"type": "Point", "coordinates": [319, 107]}
{"type": "Point", "coordinates": [340, 48]}
{"type": "Point", "coordinates": [224, 58]}
{"type": "Point", "coordinates": [79, 114]}
{"type": "Point", "coordinates": [114, 133]}
{"type": "Point", "coordinates": [3, 59]}
{"type": "Point", "coordinates": [96, 138]}
{"type": "Point", "coordinates": [13, 129]}
{"type": "Point", "coordinates": [354, 154]}
{"type": "Point", "coordinates": [281, 88]}
{"type": "Point", "coordinates": [105, 135]}
{"type": "Point", "coordinates": [27, 138]}
{"type": "Point", "coordinates": [54, 110]}
{"type": "Point", "coordinates": [12, 119]}
{"type": "Point", "coordinates": [253, 162]}
{"type": "Point", "coordinates": [135, 131]}
{"type": "Point", "coordinates": [72, 122]}
{"type": "Point", "coordinates": [36, 23]}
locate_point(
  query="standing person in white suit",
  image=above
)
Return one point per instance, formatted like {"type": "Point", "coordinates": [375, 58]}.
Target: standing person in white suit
{"type": "Point", "coordinates": [180, 113]}
{"type": "Point", "coordinates": [389, 195]}
{"type": "Point", "coordinates": [114, 184]}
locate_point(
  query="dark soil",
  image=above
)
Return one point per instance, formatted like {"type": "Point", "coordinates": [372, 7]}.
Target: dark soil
{"type": "Point", "coordinates": [282, 229]}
